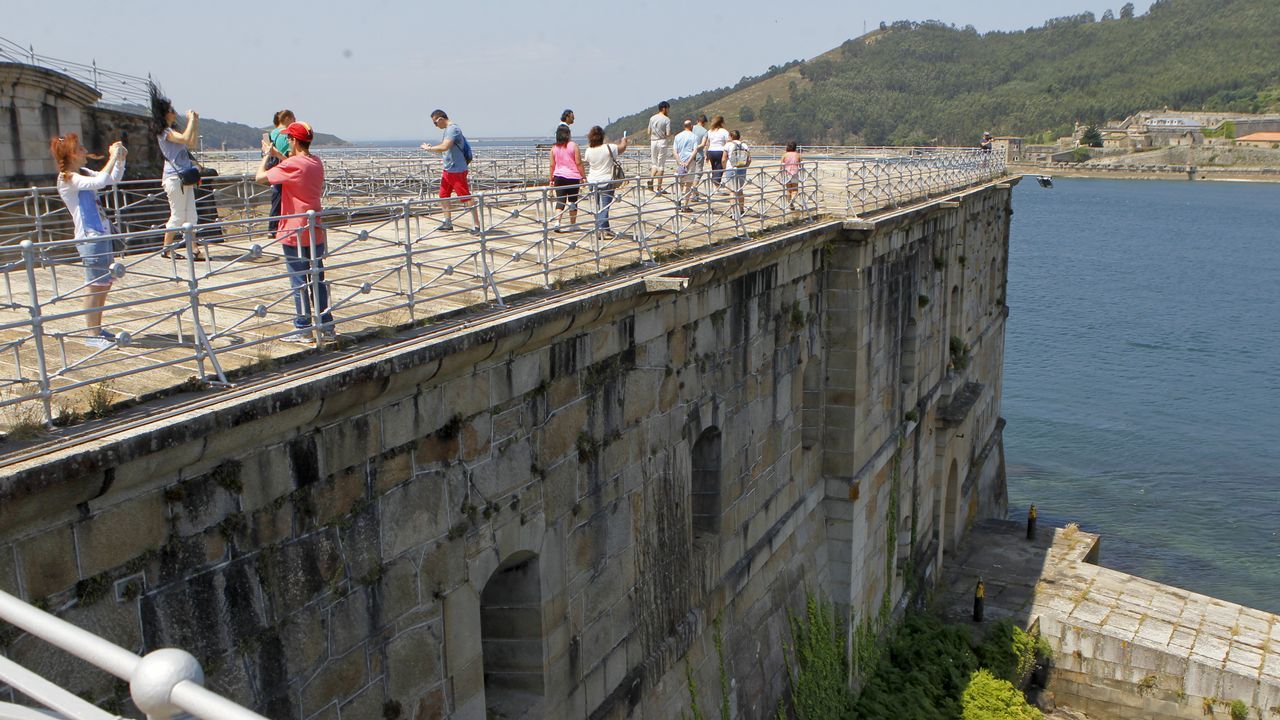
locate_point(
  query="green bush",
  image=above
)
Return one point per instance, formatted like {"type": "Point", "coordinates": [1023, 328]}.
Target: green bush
{"type": "Point", "coordinates": [746, 114]}
{"type": "Point", "coordinates": [1239, 711]}
{"type": "Point", "coordinates": [921, 675]}
{"type": "Point", "coordinates": [1010, 652]}
{"type": "Point", "coordinates": [987, 697]}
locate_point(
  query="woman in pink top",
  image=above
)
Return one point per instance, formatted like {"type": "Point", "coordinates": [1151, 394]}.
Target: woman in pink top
{"type": "Point", "coordinates": [791, 173]}
{"type": "Point", "coordinates": [301, 180]}
{"type": "Point", "coordinates": [566, 175]}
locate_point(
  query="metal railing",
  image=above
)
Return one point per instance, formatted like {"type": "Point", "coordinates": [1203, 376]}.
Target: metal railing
{"type": "Point", "coordinates": [161, 683]}
{"type": "Point", "coordinates": [878, 183]}
{"type": "Point", "coordinates": [115, 87]}
{"type": "Point", "coordinates": [384, 264]}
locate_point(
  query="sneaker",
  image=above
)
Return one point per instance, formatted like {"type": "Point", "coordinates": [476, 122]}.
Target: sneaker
{"type": "Point", "coordinates": [300, 337]}
{"type": "Point", "coordinates": [474, 231]}
{"type": "Point", "coordinates": [102, 341]}
{"type": "Point", "coordinates": [445, 226]}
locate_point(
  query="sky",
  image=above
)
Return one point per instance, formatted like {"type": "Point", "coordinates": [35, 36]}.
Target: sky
{"type": "Point", "coordinates": [375, 69]}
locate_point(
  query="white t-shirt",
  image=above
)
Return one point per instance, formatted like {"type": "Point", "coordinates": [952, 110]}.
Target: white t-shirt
{"type": "Point", "coordinates": [716, 139]}
{"type": "Point", "coordinates": [599, 162]}
{"type": "Point", "coordinates": [659, 128]}
{"type": "Point", "coordinates": [80, 194]}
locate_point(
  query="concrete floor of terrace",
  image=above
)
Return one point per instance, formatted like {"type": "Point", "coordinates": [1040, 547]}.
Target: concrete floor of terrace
{"type": "Point", "coordinates": [381, 311]}
{"type": "Point", "coordinates": [1091, 613]}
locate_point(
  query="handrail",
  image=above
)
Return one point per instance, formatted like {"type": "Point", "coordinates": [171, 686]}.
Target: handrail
{"type": "Point", "coordinates": [386, 263]}
{"type": "Point", "coordinates": [113, 86]}
{"type": "Point", "coordinates": [161, 683]}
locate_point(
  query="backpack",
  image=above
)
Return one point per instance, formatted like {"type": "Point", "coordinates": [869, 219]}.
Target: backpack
{"type": "Point", "coordinates": [466, 151]}
{"type": "Point", "coordinates": [740, 155]}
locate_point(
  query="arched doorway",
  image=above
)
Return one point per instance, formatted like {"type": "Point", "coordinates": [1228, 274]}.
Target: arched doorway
{"type": "Point", "coordinates": [949, 532]}
{"type": "Point", "coordinates": [511, 639]}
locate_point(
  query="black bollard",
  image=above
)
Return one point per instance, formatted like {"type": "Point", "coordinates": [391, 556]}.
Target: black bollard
{"type": "Point", "coordinates": [979, 593]}
{"type": "Point", "coordinates": [1031, 523]}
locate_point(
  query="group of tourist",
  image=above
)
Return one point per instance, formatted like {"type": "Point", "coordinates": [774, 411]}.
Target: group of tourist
{"type": "Point", "coordinates": [295, 175]}
{"type": "Point", "coordinates": [297, 180]}
{"type": "Point", "coordinates": [691, 148]}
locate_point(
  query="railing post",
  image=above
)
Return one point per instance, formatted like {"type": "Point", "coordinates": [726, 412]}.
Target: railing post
{"type": "Point", "coordinates": [313, 277]}
{"type": "Point", "coordinates": [204, 348]}
{"type": "Point", "coordinates": [489, 281]}
{"type": "Point", "coordinates": [408, 258]}
{"type": "Point", "coordinates": [37, 328]}
{"type": "Point", "coordinates": [547, 246]}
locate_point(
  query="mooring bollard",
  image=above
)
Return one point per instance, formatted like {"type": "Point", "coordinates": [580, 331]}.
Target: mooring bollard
{"type": "Point", "coordinates": [1031, 523]}
{"type": "Point", "coordinates": [979, 593]}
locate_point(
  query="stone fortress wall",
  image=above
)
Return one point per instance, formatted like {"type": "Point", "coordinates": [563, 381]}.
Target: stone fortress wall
{"type": "Point", "coordinates": [38, 104]}
{"type": "Point", "coordinates": [565, 512]}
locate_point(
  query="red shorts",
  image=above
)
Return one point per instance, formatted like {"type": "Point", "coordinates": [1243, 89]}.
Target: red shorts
{"type": "Point", "coordinates": [454, 183]}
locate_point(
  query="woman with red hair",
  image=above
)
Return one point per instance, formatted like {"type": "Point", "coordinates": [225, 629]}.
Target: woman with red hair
{"type": "Point", "coordinates": [79, 186]}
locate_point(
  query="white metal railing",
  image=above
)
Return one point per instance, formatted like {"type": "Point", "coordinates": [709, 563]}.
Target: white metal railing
{"type": "Point", "coordinates": [114, 87]}
{"type": "Point", "coordinates": [384, 264]}
{"type": "Point", "coordinates": [878, 183]}
{"type": "Point", "coordinates": [162, 683]}
{"type": "Point", "coordinates": [386, 261]}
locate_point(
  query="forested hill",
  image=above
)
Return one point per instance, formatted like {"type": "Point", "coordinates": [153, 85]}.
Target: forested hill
{"type": "Point", "coordinates": [915, 83]}
{"type": "Point", "coordinates": [238, 136]}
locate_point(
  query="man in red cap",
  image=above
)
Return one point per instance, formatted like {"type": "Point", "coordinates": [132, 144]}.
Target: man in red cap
{"type": "Point", "coordinates": [301, 180]}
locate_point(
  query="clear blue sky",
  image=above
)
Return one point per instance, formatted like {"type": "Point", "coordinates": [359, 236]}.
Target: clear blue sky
{"type": "Point", "coordinates": [374, 69]}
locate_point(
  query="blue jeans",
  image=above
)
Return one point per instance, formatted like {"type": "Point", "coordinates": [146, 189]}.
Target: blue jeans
{"type": "Point", "coordinates": [298, 258]}
{"type": "Point", "coordinates": [604, 198]}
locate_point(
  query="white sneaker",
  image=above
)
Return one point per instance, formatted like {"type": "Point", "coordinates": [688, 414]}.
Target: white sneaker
{"type": "Point", "coordinates": [300, 337]}
{"type": "Point", "coordinates": [445, 226]}
{"type": "Point", "coordinates": [102, 341]}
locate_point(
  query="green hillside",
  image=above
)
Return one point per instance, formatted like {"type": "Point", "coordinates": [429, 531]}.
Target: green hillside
{"type": "Point", "coordinates": [915, 83]}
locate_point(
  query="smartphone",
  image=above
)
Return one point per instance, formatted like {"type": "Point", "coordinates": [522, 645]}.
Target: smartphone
{"type": "Point", "coordinates": [624, 133]}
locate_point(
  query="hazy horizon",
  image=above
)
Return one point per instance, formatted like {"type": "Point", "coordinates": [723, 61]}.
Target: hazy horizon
{"type": "Point", "coordinates": [376, 69]}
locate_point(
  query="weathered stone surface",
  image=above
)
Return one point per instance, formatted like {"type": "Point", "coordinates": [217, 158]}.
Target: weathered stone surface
{"type": "Point", "coordinates": [121, 533]}
{"type": "Point", "coordinates": [8, 571]}
{"type": "Point", "coordinates": [264, 476]}
{"type": "Point", "coordinates": [413, 662]}
{"type": "Point", "coordinates": [337, 681]}
{"type": "Point", "coordinates": [414, 513]}
{"type": "Point", "coordinates": [48, 562]}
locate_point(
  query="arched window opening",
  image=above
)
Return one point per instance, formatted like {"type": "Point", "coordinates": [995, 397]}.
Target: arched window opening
{"type": "Point", "coordinates": [705, 501]}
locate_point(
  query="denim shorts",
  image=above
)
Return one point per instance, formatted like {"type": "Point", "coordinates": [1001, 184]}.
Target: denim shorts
{"type": "Point", "coordinates": [97, 255]}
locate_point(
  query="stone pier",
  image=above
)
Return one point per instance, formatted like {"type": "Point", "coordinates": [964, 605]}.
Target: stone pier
{"type": "Point", "coordinates": [1124, 647]}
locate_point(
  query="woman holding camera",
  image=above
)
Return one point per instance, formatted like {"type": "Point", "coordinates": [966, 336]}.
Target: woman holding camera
{"type": "Point", "coordinates": [175, 147]}
{"type": "Point", "coordinates": [78, 186]}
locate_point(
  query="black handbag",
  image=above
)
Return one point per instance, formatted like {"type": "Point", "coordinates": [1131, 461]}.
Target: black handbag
{"type": "Point", "coordinates": [190, 176]}
{"type": "Point", "coordinates": [619, 175]}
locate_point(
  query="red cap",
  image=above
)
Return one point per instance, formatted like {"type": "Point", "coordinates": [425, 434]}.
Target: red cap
{"type": "Point", "coordinates": [299, 131]}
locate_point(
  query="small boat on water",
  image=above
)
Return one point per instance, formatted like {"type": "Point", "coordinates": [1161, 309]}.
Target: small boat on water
{"type": "Point", "coordinates": [1045, 181]}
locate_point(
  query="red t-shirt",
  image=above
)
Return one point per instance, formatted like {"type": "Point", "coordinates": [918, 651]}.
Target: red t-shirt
{"type": "Point", "coordinates": [301, 181]}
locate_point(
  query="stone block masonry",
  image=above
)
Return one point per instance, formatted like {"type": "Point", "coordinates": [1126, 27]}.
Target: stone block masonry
{"type": "Point", "coordinates": [551, 513]}
{"type": "Point", "coordinates": [1123, 647]}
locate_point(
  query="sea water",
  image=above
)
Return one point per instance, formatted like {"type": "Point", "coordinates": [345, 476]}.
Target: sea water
{"type": "Point", "coordinates": [1142, 376]}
